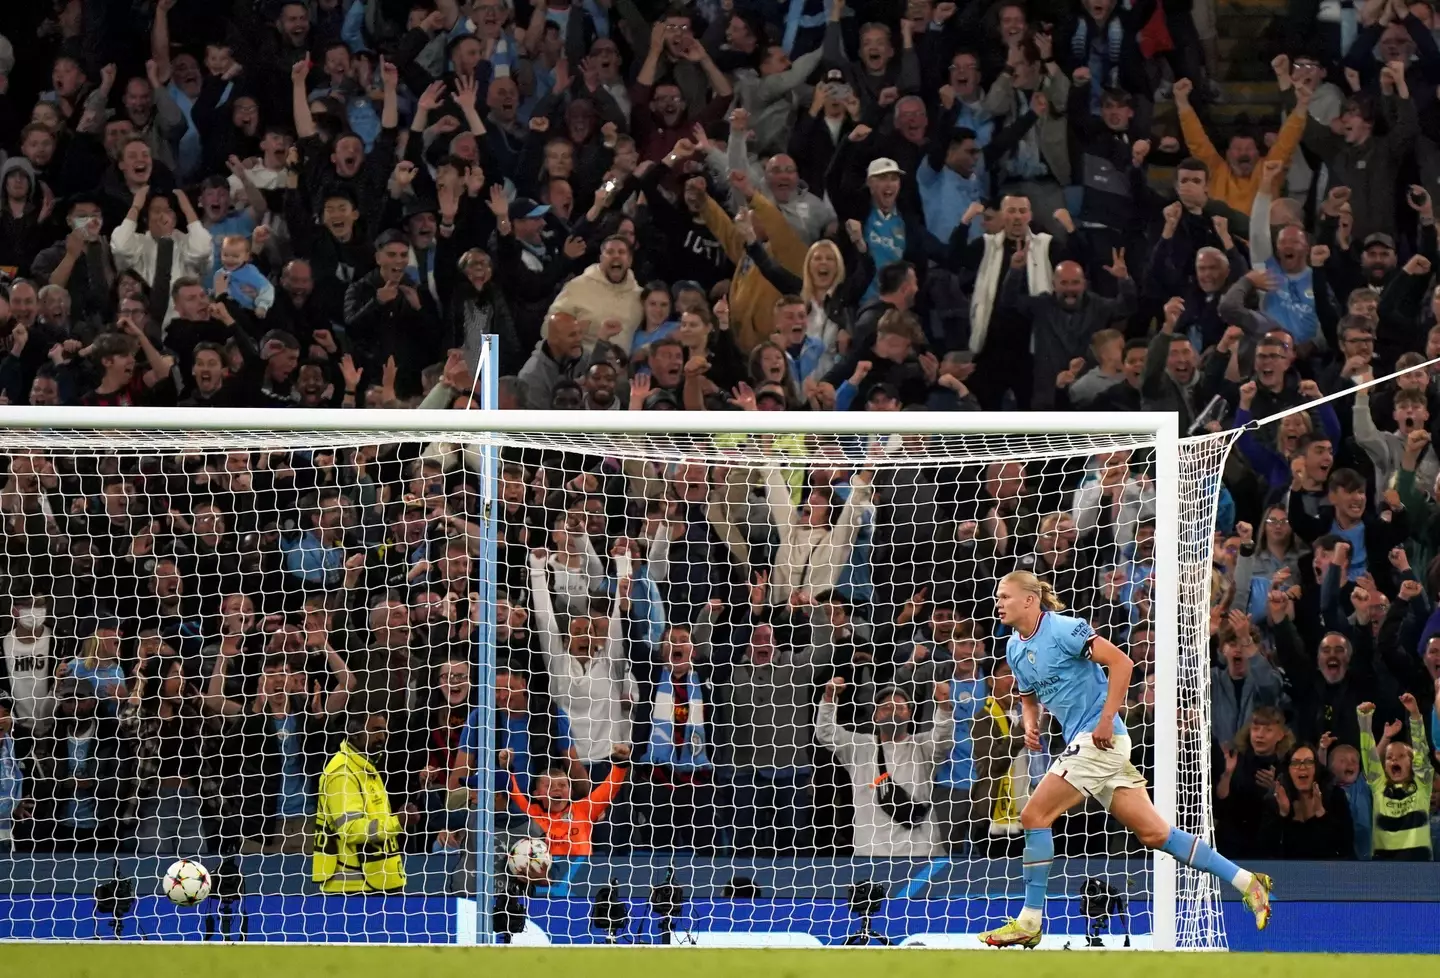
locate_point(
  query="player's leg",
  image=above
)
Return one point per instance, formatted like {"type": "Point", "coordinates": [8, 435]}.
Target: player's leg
{"type": "Point", "coordinates": [1132, 806]}
{"type": "Point", "coordinates": [1054, 797]}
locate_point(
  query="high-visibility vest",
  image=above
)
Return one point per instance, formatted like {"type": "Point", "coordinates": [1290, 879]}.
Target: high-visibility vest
{"type": "Point", "coordinates": [357, 840]}
{"type": "Point", "coordinates": [1013, 787]}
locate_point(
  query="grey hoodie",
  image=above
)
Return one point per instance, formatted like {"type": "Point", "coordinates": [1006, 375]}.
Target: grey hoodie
{"type": "Point", "coordinates": [21, 164]}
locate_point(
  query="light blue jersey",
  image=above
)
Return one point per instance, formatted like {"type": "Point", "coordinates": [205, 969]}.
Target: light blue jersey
{"type": "Point", "coordinates": [1054, 664]}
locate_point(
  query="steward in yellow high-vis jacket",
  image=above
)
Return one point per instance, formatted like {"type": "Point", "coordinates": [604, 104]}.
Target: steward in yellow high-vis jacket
{"type": "Point", "coordinates": [358, 842]}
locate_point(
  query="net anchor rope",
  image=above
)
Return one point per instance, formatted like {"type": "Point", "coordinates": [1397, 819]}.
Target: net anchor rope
{"type": "Point", "coordinates": [1255, 424]}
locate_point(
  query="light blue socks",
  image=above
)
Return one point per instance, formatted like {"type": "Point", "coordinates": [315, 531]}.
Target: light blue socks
{"type": "Point", "coordinates": [1197, 853]}
{"type": "Point", "coordinates": [1039, 853]}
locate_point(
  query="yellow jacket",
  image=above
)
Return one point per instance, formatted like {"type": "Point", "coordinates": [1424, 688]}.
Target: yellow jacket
{"type": "Point", "coordinates": [1237, 191]}
{"type": "Point", "coordinates": [752, 297]}
{"type": "Point", "coordinates": [357, 840]}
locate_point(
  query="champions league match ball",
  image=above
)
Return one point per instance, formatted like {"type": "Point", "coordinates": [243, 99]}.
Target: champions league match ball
{"type": "Point", "coordinates": [529, 859]}
{"type": "Point", "coordinates": [187, 882]}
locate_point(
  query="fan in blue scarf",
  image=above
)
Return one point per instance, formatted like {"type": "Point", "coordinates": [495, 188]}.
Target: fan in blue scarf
{"type": "Point", "coordinates": [687, 754]}
{"type": "Point", "coordinates": [1102, 60]}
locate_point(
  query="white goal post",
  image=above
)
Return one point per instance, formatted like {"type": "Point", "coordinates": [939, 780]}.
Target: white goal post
{"type": "Point", "coordinates": [1178, 480]}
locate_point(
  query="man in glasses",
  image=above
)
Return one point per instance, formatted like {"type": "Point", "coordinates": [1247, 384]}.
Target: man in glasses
{"type": "Point", "coordinates": [668, 107]}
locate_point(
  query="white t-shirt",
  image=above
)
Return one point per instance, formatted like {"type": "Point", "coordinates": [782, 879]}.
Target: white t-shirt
{"type": "Point", "coordinates": [31, 667]}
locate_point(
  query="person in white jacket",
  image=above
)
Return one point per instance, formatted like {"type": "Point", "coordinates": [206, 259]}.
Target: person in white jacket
{"type": "Point", "coordinates": [605, 298]}
{"type": "Point", "coordinates": [138, 249]}
{"type": "Point", "coordinates": [590, 678]}
{"type": "Point", "coordinates": [812, 551]}
{"type": "Point", "coordinates": [893, 811]}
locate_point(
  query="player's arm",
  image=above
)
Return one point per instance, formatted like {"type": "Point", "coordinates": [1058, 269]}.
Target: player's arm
{"type": "Point", "coordinates": [1030, 715]}
{"type": "Point", "coordinates": [1117, 666]}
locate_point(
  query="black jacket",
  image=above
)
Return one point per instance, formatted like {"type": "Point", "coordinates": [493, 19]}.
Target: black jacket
{"type": "Point", "coordinates": [1062, 334]}
{"type": "Point", "coordinates": [379, 330]}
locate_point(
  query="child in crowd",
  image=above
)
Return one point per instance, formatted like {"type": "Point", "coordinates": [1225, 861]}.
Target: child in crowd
{"type": "Point", "coordinates": [568, 824]}
{"type": "Point", "coordinates": [1401, 781]}
{"type": "Point", "coordinates": [240, 279]}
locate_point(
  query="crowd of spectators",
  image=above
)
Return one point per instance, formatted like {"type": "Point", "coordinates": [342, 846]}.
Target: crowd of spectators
{"type": "Point", "coordinates": [730, 205]}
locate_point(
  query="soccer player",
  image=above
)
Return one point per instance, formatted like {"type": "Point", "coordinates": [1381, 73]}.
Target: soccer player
{"type": "Point", "coordinates": [1060, 662]}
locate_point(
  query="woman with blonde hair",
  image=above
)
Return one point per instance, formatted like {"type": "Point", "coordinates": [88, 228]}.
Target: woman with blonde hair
{"type": "Point", "coordinates": [98, 663]}
{"type": "Point", "coordinates": [1060, 663]}
{"type": "Point", "coordinates": [831, 292]}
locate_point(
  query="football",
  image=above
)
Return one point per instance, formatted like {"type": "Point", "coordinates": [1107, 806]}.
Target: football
{"type": "Point", "coordinates": [530, 859]}
{"type": "Point", "coordinates": [186, 882]}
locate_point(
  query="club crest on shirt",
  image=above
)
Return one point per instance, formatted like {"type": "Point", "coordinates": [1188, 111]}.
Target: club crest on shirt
{"type": "Point", "coordinates": [1030, 656]}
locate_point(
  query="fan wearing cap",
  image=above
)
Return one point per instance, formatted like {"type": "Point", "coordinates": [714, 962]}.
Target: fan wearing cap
{"type": "Point", "coordinates": [386, 317]}
{"type": "Point", "coordinates": [1377, 261]}
{"type": "Point", "coordinates": [419, 220]}
{"type": "Point", "coordinates": [890, 234]}
{"type": "Point", "coordinates": [819, 131]}
{"type": "Point", "coordinates": [529, 262]}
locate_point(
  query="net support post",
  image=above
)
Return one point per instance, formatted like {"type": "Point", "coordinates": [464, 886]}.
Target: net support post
{"type": "Point", "coordinates": [483, 841]}
{"type": "Point", "coordinates": [1166, 614]}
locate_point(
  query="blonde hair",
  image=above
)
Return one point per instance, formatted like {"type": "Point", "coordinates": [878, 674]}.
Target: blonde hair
{"type": "Point", "coordinates": [808, 290]}
{"type": "Point", "coordinates": [1027, 581]}
{"type": "Point", "coordinates": [1050, 523]}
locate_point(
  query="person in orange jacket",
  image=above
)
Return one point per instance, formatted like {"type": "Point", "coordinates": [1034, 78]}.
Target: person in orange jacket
{"type": "Point", "coordinates": [1235, 177]}
{"type": "Point", "coordinates": [568, 824]}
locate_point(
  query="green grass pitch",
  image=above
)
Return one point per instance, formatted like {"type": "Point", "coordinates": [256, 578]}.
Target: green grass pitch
{"type": "Point", "coordinates": [108, 960]}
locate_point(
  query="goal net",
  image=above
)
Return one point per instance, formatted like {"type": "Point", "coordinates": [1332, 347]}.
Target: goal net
{"type": "Point", "coordinates": [746, 685]}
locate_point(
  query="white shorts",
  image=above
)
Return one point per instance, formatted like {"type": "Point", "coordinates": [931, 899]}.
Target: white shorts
{"type": "Point", "coordinates": [1096, 773]}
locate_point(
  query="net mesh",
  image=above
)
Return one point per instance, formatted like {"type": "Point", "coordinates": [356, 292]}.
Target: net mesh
{"type": "Point", "coordinates": [1198, 917]}
{"type": "Point", "coordinates": [301, 660]}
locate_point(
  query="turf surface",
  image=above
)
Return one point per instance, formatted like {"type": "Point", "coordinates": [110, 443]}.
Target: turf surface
{"type": "Point", "coordinates": [103, 960]}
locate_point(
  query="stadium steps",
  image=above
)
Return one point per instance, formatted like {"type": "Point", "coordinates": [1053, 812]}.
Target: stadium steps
{"type": "Point", "coordinates": [1248, 32]}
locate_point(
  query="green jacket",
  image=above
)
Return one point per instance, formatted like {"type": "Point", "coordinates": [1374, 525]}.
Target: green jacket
{"type": "Point", "coordinates": [1402, 811]}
